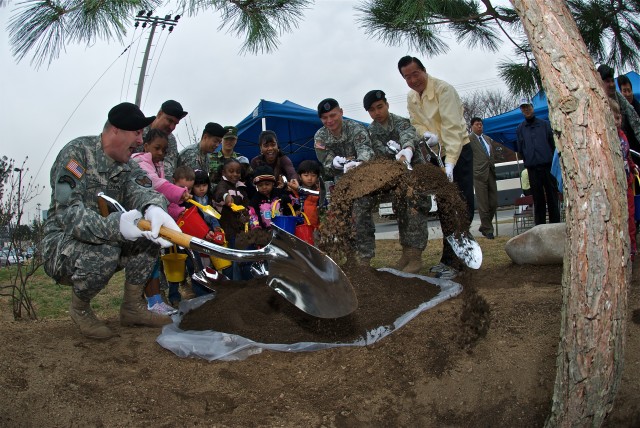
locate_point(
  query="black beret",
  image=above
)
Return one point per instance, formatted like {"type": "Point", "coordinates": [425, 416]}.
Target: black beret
{"type": "Point", "coordinates": [214, 129]}
{"type": "Point", "coordinates": [129, 117]}
{"type": "Point", "coordinates": [326, 105]}
{"type": "Point", "coordinates": [173, 108]}
{"type": "Point", "coordinates": [605, 71]}
{"type": "Point", "coordinates": [372, 97]}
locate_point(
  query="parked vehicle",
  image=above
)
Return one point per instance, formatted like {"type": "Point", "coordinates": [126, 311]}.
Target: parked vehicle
{"type": "Point", "coordinates": [9, 258]}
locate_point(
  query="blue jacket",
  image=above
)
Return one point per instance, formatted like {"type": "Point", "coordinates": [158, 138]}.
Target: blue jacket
{"type": "Point", "coordinates": [535, 142]}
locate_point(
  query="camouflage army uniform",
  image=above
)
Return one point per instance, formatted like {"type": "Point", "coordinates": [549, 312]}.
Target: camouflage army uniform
{"type": "Point", "coordinates": [83, 248]}
{"type": "Point", "coordinates": [412, 215]}
{"type": "Point", "coordinates": [195, 158]}
{"type": "Point", "coordinates": [353, 143]}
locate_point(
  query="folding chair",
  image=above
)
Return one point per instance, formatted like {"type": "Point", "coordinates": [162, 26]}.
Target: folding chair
{"type": "Point", "coordinates": [523, 214]}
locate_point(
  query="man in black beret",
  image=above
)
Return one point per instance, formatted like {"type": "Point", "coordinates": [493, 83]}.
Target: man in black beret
{"type": "Point", "coordinates": [85, 245]}
{"type": "Point", "coordinates": [341, 145]}
{"type": "Point", "coordinates": [168, 117]}
{"type": "Point", "coordinates": [394, 137]}
{"type": "Point", "coordinates": [198, 156]}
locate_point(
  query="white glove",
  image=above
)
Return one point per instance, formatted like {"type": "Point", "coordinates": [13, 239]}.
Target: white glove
{"type": "Point", "coordinates": [158, 217]}
{"type": "Point", "coordinates": [406, 152]}
{"type": "Point", "coordinates": [350, 165]}
{"type": "Point", "coordinates": [128, 227]}
{"type": "Point", "coordinates": [339, 161]}
{"type": "Point", "coordinates": [448, 169]}
{"type": "Point", "coordinates": [431, 137]}
{"type": "Point", "coordinates": [395, 147]}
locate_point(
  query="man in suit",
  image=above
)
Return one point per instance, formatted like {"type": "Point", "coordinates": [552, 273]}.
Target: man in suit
{"type": "Point", "coordinates": [484, 176]}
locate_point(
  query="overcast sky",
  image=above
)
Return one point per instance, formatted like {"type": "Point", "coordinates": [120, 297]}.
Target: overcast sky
{"type": "Point", "coordinates": [327, 56]}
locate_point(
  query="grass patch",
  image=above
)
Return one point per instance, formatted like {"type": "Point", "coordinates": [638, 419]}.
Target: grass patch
{"type": "Point", "coordinates": [52, 300]}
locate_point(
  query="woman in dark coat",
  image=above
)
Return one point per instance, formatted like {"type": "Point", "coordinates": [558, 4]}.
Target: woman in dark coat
{"type": "Point", "coordinates": [271, 156]}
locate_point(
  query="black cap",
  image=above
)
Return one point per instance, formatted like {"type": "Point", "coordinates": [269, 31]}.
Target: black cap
{"type": "Point", "coordinates": [129, 117]}
{"type": "Point", "coordinates": [372, 97]}
{"type": "Point", "coordinates": [605, 71]}
{"type": "Point", "coordinates": [214, 129]}
{"type": "Point", "coordinates": [327, 105]}
{"type": "Point", "coordinates": [201, 177]}
{"type": "Point", "coordinates": [173, 108]}
{"type": "Point", "coordinates": [263, 173]}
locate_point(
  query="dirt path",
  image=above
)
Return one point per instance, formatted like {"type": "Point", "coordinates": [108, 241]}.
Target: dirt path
{"type": "Point", "coordinates": [418, 376]}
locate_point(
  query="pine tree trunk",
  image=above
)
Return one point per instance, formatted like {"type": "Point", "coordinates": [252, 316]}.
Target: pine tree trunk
{"type": "Point", "coordinates": [596, 260]}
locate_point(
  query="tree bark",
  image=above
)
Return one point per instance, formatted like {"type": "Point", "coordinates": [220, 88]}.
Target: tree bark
{"type": "Point", "coordinates": [596, 261]}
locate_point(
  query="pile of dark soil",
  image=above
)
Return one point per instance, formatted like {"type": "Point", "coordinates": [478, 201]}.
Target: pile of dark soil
{"type": "Point", "coordinates": [253, 310]}
{"type": "Point", "coordinates": [380, 176]}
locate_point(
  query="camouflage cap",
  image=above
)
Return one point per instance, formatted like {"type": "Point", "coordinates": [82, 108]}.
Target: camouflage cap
{"type": "Point", "coordinates": [373, 96]}
{"type": "Point", "coordinates": [327, 105]}
{"type": "Point", "coordinates": [230, 132]}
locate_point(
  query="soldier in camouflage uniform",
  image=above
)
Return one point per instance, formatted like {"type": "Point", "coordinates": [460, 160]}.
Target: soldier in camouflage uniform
{"type": "Point", "coordinates": [84, 249]}
{"type": "Point", "coordinates": [340, 145]}
{"type": "Point", "coordinates": [412, 214]}
{"type": "Point", "coordinates": [229, 141]}
{"type": "Point", "coordinates": [198, 156]}
{"type": "Point", "coordinates": [169, 115]}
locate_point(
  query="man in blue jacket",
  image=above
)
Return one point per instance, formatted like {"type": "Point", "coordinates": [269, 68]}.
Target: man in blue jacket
{"type": "Point", "coordinates": [536, 145]}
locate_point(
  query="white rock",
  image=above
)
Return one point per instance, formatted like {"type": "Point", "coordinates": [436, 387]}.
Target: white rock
{"type": "Point", "coordinates": [540, 245]}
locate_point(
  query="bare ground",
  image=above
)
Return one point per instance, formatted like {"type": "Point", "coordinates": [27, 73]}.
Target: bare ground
{"type": "Point", "coordinates": [420, 375]}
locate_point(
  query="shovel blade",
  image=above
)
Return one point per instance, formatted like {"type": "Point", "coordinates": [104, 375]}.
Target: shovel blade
{"type": "Point", "coordinates": [308, 278]}
{"type": "Point", "coordinates": [467, 250]}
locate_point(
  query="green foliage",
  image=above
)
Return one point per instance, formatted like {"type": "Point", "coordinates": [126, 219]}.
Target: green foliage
{"type": "Point", "coordinates": [263, 21]}
{"type": "Point", "coordinates": [42, 28]}
{"type": "Point", "coordinates": [610, 29]}
{"type": "Point", "coordinates": [522, 79]}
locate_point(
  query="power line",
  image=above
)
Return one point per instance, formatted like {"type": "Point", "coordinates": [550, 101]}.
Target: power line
{"type": "Point", "coordinates": [156, 67]}
{"type": "Point", "coordinates": [78, 106]}
{"type": "Point", "coordinates": [126, 65]}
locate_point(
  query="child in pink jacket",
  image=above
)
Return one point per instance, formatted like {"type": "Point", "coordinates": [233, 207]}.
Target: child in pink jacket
{"type": "Point", "coordinates": [152, 162]}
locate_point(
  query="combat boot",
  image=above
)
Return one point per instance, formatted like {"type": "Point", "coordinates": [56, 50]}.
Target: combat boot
{"type": "Point", "coordinates": [415, 260]}
{"type": "Point", "coordinates": [133, 310]}
{"type": "Point", "coordinates": [82, 314]}
{"type": "Point", "coordinates": [403, 260]}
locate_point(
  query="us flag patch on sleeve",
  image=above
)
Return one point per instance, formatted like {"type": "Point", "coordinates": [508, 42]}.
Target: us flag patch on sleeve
{"type": "Point", "coordinates": [75, 168]}
{"type": "Point", "coordinates": [319, 144]}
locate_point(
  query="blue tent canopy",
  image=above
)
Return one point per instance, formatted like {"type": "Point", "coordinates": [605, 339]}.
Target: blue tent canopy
{"type": "Point", "coordinates": [294, 125]}
{"type": "Point", "coordinates": [502, 128]}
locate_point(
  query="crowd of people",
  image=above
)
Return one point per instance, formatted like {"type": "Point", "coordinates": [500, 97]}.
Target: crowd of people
{"type": "Point", "coordinates": [135, 160]}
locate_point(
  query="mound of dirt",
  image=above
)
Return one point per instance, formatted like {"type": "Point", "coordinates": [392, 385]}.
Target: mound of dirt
{"type": "Point", "coordinates": [241, 306]}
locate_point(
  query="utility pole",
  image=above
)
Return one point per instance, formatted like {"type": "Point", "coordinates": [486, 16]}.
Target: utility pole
{"type": "Point", "coordinates": [145, 18]}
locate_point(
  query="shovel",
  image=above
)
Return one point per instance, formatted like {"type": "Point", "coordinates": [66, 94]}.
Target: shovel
{"type": "Point", "coordinates": [395, 152]}
{"type": "Point", "coordinates": [464, 246]}
{"type": "Point", "coordinates": [207, 209]}
{"type": "Point", "coordinates": [299, 272]}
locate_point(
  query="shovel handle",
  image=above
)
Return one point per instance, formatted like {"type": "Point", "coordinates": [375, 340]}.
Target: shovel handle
{"type": "Point", "coordinates": [178, 238]}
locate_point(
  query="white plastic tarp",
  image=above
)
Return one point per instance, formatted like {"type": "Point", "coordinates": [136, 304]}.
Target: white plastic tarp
{"type": "Point", "coordinates": [213, 345]}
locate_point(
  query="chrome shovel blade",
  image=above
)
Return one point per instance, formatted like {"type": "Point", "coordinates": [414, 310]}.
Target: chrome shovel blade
{"type": "Point", "coordinates": [309, 278]}
{"type": "Point", "coordinates": [467, 250]}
